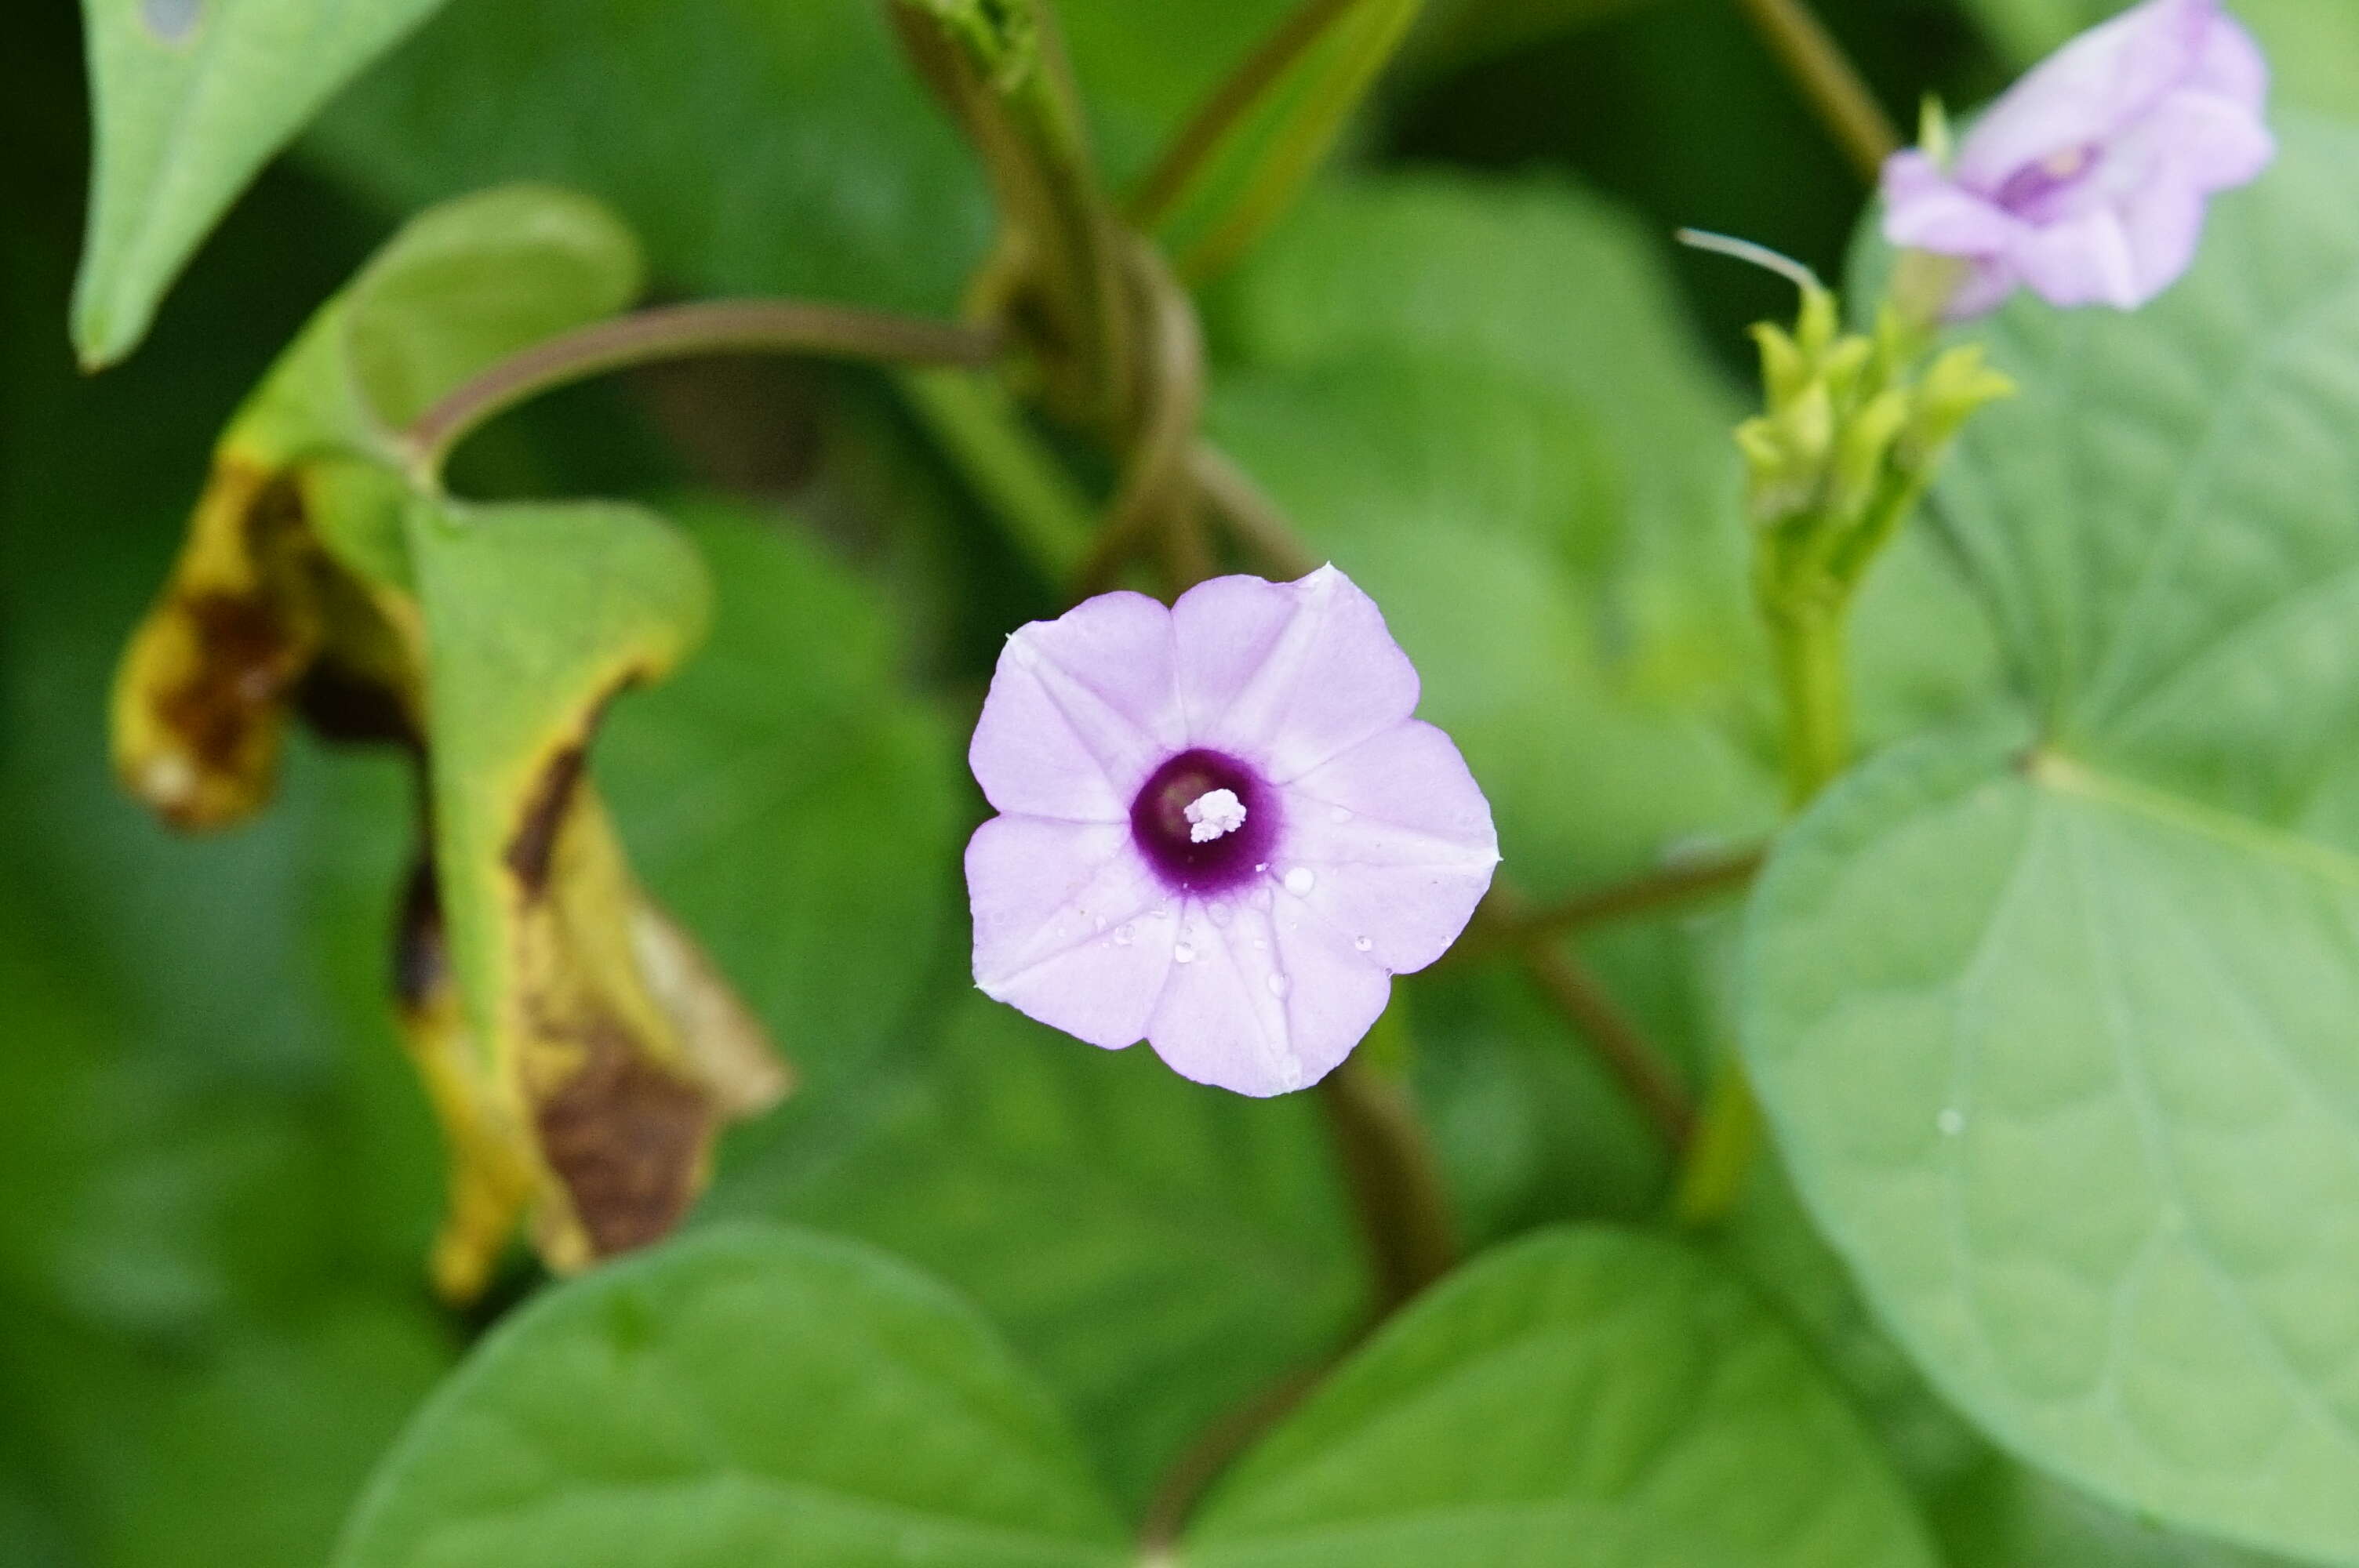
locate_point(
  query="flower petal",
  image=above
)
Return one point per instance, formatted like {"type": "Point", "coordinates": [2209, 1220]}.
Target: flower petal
{"type": "Point", "coordinates": [1391, 845]}
{"type": "Point", "coordinates": [1285, 675]}
{"type": "Point", "coordinates": [1931, 212]}
{"type": "Point", "coordinates": [2085, 260]}
{"type": "Point", "coordinates": [1269, 1001]}
{"type": "Point", "coordinates": [2205, 140]}
{"type": "Point", "coordinates": [1066, 927]}
{"type": "Point", "coordinates": [1081, 708]}
{"type": "Point", "coordinates": [2089, 90]}
{"type": "Point", "coordinates": [2232, 66]}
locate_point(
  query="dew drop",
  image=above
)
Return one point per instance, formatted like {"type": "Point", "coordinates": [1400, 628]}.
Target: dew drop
{"type": "Point", "coordinates": [1221, 912]}
{"type": "Point", "coordinates": [1125, 934]}
{"type": "Point", "coordinates": [1300, 880]}
{"type": "Point", "coordinates": [1339, 813]}
{"type": "Point", "coordinates": [1951, 1122]}
{"type": "Point", "coordinates": [174, 21]}
{"type": "Point", "coordinates": [1183, 954]}
{"type": "Point", "coordinates": [1277, 984]}
{"type": "Point", "coordinates": [1361, 943]}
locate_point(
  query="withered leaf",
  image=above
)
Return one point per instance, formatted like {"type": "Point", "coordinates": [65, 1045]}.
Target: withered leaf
{"type": "Point", "coordinates": [600, 1049]}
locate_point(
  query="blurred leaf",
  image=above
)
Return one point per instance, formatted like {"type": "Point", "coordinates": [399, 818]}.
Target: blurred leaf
{"type": "Point", "coordinates": [1235, 166]}
{"type": "Point", "coordinates": [2100, 948]}
{"type": "Point", "coordinates": [1583, 1397]}
{"type": "Point", "coordinates": [792, 801]}
{"type": "Point", "coordinates": [191, 98]}
{"type": "Point", "coordinates": [1163, 1254]}
{"type": "Point", "coordinates": [218, 1176]}
{"type": "Point", "coordinates": [2313, 47]}
{"type": "Point", "coordinates": [740, 1394]}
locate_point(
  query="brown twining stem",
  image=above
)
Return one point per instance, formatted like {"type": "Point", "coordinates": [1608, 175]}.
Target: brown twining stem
{"type": "Point", "coordinates": [1836, 91]}
{"type": "Point", "coordinates": [1235, 98]}
{"type": "Point", "coordinates": [682, 332]}
{"type": "Point", "coordinates": [1395, 1181]}
{"type": "Point", "coordinates": [1574, 990]}
{"type": "Point", "coordinates": [1667, 887]}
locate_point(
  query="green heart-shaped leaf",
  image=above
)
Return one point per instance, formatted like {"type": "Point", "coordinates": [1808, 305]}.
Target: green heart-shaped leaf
{"type": "Point", "coordinates": [2055, 1016]}
{"type": "Point", "coordinates": [741, 1395]}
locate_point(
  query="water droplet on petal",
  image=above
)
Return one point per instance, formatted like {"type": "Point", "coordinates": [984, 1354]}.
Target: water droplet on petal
{"type": "Point", "coordinates": [1183, 954]}
{"type": "Point", "coordinates": [1125, 934]}
{"type": "Point", "coordinates": [1222, 912]}
{"type": "Point", "coordinates": [1300, 880]}
{"type": "Point", "coordinates": [1951, 1122]}
{"type": "Point", "coordinates": [1277, 984]}
{"type": "Point", "coordinates": [1361, 943]}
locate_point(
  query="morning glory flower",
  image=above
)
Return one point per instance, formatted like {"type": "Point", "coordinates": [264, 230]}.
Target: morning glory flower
{"type": "Point", "coordinates": [1221, 829]}
{"type": "Point", "coordinates": [2088, 180]}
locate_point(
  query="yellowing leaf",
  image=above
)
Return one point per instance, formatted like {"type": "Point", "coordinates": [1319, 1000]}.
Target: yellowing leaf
{"type": "Point", "coordinates": [595, 1054]}
{"type": "Point", "coordinates": [294, 556]}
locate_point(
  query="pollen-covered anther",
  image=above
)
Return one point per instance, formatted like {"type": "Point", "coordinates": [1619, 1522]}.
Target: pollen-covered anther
{"type": "Point", "coordinates": [1214, 813]}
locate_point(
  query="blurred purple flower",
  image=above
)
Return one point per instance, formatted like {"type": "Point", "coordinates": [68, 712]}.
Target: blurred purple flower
{"type": "Point", "coordinates": [2087, 181]}
{"type": "Point", "coordinates": [1221, 830]}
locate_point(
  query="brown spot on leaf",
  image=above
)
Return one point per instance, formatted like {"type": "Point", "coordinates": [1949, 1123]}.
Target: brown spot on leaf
{"type": "Point", "coordinates": [245, 655]}
{"type": "Point", "coordinates": [535, 839]}
{"type": "Point", "coordinates": [626, 1138]}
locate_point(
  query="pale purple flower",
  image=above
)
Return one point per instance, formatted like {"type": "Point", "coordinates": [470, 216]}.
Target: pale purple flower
{"type": "Point", "coordinates": [2088, 180]}
{"type": "Point", "coordinates": [1221, 829]}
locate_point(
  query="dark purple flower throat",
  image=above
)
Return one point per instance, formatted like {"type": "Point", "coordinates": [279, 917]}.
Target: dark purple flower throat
{"type": "Point", "coordinates": [1210, 851]}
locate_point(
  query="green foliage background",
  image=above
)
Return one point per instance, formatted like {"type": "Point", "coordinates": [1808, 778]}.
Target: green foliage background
{"type": "Point", "coordinates": [1472, 370]}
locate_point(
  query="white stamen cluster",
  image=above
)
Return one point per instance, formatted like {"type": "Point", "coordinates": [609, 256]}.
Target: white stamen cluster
{"type": "Point", "coordinates": [1214, 813]}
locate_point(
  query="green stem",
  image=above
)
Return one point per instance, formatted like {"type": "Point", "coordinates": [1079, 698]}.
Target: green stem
{"type": "Point", "coordinates": [1230, 103]}
{"type": "Point", "coordinates": [1815, 689]}
{"type": "Point", "coordinates": [685, 331]}
{"type": "Point", "coordinates": [1021, 482]}
{"type": "Point", "coordinates": [1022, 112]}
{"type": "Point", "coordinates": [1805, 623]}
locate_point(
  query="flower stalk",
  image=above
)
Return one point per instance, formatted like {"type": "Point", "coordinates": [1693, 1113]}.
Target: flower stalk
{"type": "Point", "coordinates": [1854, 427]}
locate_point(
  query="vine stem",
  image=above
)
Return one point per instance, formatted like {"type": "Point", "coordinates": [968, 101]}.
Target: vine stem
{"type": "Point", "coordinates": [686, 331]}
{"type": "Point", "coordinates": [1230, 103]}
{"type": "Point", "coordinates": [1667, 888]}
{"type": "Point", "coordinates": [1806, 636]}
{"type": "Point", "coordinates": [1828, 80]}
